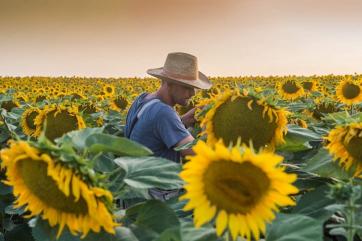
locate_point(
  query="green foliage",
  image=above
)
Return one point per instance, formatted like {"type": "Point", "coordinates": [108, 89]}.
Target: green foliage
{"type": "Point", "coordinates": [298, 139]}
{"type": "Point", "coordinates": [294, 227]}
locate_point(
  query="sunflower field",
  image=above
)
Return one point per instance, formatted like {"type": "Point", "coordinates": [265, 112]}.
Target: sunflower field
{"type": "Point", "coordinates": [276, 159]}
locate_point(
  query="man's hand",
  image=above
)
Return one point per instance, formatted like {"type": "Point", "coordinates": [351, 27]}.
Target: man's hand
{"type": "Point", "coordinates": [188, 119]}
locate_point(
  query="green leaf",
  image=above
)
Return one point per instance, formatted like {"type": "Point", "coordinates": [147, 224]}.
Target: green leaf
{"type": "Point", "coordinates": [294, 227]}
{"type": "Point", "coordinates": [297, 139]}
{"type": "Point", "coordinates": [190, 233]}
{"type": "Point", "coordinates": [77, 138]}
{"type": "Point", "coordinates": [20, 232]}
{"type": "Point", "coordinates": [118, 145]}
{"type": "Point", "coordinates": [323, 165]}
{"type": "Point", "coordinates": [312, 204]}
{"type": "Point", "coordinates": [124, 234]}
{"type": "Point", "coordinates": [5, 189]}
{"type": "Point", "coordinates": [150, 172]}
{"type": "Point", "coordinates": [151, 219]}
{"type": "Point", "coordinates": [14, 211]}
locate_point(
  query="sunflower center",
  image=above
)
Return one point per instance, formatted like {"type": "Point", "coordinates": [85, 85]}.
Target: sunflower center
{"type": "Point", "coordinates": [30, 120]}
{"type": "Point", "coordinates": [354, 148]}
{"type": "Point", "coordinates": [235, 187]}
{"type": "Point", "coordinates": [121, 103]}
{"type": "Point", "coordinates": [88, 108]}
{"type": "Point", "coordinates": [233, 119]}
{"type": "Point", "coordinates": [351, 91]}
{"type": "Point", "coordinates": [307, 85]}
{"type": "Point", "coordinates": [290, 87]}
{"type": "Point", "coordinates": [60, 123]}
{"type": "Point", "coordinates": [8, 105]}
{"type": "Point", "coordinates": [35, 177]}
{"type": "Point", "coordinates": [109, 89]}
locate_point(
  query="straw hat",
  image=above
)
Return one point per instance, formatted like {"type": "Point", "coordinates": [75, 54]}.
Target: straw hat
{"type": "Point", "coordinates": [182, 68]}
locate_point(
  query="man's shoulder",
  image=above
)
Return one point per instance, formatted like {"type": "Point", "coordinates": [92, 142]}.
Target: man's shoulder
{"type": "Point", "coordinates": [164, 109]}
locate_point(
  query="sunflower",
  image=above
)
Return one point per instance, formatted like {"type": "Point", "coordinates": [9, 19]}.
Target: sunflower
{"type": "Point", "coordinates": [344, 143]}
{"type": "Point", "coordinates": [238, 187]}
{"type": "Point", "coordinates": [57, 193]}
{"type": "Point", "coordinates": [349, 91]}
{"type": "Point", "coordinates": [28, 120]}
{"type": "Point", "coordinates": [108, 90]}
{"type": "Point", "coordinates": [310, 86]}
{"type": "Point", "coordinates": [323, 108]}
{"type": "Point", "coordinates": [299, 122]}
{"type": "Point", "coordinates": [119, 103]}
{"type": "Point", "coordinates": [9, 105]}
{"type": "Point", "coordinates": [235, 116]}
{"type": "Point", "coordinates": [59, 120]}
{"type": "Point", "coordinates": [290, 89]}
{"type": "Point", "coordinates": [88, 108]}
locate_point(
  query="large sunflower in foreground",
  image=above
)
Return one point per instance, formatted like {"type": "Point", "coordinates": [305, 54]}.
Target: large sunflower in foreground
{"type": "Point", "coordinates": [290, 89]}
{"type": "Point", "coordinates": [345, 144]}
{"type": "Point", "coordinates": [60, 195]}
{"type": "Point", "coordinates": [349, 91]}
{"type": "Point", "coordinates": [237, 187]}
{"type": "Point", "coordinates": [236, 116]}
{"type": "Point", "coordinates": [59, 120]}
{"type": "Point", "coordinates": [28, 120]}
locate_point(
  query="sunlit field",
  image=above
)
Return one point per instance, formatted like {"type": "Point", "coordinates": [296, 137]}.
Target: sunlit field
{"type": "Point", "coordinates": [277, 158]}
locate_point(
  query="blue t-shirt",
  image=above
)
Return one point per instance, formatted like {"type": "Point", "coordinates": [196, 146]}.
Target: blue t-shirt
{"type": "Point", "coordinates": [159, 128]}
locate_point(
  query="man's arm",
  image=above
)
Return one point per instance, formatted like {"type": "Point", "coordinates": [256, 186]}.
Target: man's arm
{"type": "Point", "coordinates": [184, 141]}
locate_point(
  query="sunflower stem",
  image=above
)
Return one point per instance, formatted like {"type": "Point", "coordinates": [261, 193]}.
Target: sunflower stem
{"type": "Point", "coordinates": [350, 221]}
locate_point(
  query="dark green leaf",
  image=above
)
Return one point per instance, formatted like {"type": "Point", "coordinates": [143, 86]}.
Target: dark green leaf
{"type": "Point", "coordinates": [190, 233]}
{"type": "Point", "coordinates": [297, 139]}
{"type": "Point", "coordinates": [323, 165]}
{"type": "Point", "coordinates": [151, 219]}
{"type": "Point", "coordinates": [77, 138]}
{"type": "Point", "coordinates": [20, 232]}
{"type": "Point", "coordinates": [150, 172]}
{"type": "Point", "coordinates": [5, 189]}
{"type": "Point", "coordinates": [294, 227]}
{"type": "Point", "coordinates": [312, 204]}
{"type": "Point", "coordinates": [118, 145]}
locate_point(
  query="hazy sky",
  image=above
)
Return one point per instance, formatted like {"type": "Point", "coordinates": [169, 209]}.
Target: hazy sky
{"type": "Point", "coordinates": [230, 37]}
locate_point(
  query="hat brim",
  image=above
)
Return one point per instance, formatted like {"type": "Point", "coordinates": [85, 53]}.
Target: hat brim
{"type": "Point", "coordinates": [202, 83]}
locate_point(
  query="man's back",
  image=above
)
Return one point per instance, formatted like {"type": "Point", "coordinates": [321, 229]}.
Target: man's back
{"type": "Point", "coordinates": [158, 127]}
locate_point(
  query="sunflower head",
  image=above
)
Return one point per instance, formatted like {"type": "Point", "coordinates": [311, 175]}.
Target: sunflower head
{"type": "Point", "coordinates": [119, 103]}
{"type": "Point", "coordinates": [108, 90]}
{"type": "Point", "coordinates": [59, 119]}
{"type": "Point", "coordinates": [88, 108]}
{"type": "Point", "coordinates": [290, 89]}
{"type": "Point", "coordinates": [323, 108]}
{"type": "Point", "coordinates": [309, 86]}
{"type": "Point", "coordinates": [349, 91]}
{"type": "Point", "coordinates": [235, 117]}
{"type": "Point", "coordinates": [237, 187]}
{"type": "Point", "coordinates": [48, 187]}
{"type": "Point", "coordinates": [299, 122]}
{"type": "Point", "coordinates": [28, 120]}
{"type": "Point", "coordinates": [9, 105]}
{"type": "Point", "coordinates": [344, 143]}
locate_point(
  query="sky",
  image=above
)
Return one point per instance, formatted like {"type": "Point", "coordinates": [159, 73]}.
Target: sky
{"type": "Point", "coordinates": [124, 38]}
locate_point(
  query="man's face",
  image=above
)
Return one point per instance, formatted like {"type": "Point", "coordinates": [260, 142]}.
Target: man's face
{"type": "Point", "coordinates": [181, 94]}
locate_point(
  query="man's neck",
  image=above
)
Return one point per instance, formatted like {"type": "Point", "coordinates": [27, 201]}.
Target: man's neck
{"type": "Point", "coordinates": [163, 96]}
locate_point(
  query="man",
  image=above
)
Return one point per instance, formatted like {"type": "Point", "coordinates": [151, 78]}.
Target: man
{"type": "Point", "coordinates": [152, 120]}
